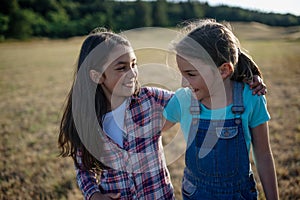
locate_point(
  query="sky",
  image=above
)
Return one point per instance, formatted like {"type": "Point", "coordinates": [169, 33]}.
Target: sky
{"type": "Point", "coordinates": [277, 6]}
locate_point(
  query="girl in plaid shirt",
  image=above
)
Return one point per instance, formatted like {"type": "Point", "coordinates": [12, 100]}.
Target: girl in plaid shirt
{"type": "Point", "coordinates": [111, 127]}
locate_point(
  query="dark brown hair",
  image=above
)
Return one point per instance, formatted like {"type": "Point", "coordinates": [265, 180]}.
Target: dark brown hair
{"type": "Point", "coordinates": [91, 57]}
{"type": "Point", "coordinates": [208, 37]}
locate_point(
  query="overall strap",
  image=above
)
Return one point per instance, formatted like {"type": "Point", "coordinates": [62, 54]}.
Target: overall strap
{"type": "Point", "coordinates": [195, 112]}
{"type": "Point", "coordinates": [238, 103]}
{"type": "Point", "coordinates": [195, 107]}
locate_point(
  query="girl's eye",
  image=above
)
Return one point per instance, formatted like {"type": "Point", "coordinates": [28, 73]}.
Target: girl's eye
{"type": "Point", "coordinates": [121, 68]}
{"type": "Point", "coordinates": [125, 67]}
{"type": "Point", "coordinates": [190, 74]}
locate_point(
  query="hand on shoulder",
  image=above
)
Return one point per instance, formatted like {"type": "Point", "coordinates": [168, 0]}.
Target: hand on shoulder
{"type": "Point", "coordinates": [100, 196]}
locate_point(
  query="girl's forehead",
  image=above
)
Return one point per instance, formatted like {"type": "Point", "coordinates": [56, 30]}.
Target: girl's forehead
{"type": "Point", "coordinates": [187, 60]}
{"type": "Point", "coordinates": [190, 63]}
{"type": "Point", "coordinates": [121, 54]}
{"type": "Point", "coordinates": [121, 51]}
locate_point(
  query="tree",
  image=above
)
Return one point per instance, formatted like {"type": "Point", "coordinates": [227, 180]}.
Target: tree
{"type": "Point", "coordinates": [8, 6]}
{"type": "Point", "coordinates": [20, 25]}
{"type": "Point", "coordinates": [4, 20]}
{"type": "Point", "coordinates": [192, 9]}
{"type": "Point", "coordinates": [142, 14]}
{"type": "Point", "coordinates": [64, 18]}
{"type": "Point", "coordinates": [160, 15]}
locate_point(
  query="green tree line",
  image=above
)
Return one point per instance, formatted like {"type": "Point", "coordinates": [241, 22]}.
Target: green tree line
{"type": "Point", "coordinates": [23, 19]}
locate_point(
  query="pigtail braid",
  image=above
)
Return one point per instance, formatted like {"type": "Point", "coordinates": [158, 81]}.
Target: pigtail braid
{"type": "Point", "coordinates": [245, 68]}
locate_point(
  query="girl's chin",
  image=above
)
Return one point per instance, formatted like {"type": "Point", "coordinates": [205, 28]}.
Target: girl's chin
{"type": "Point", "coordinates": [197, 94]}
{"type": "Point", "coordinates": [124, 92]}
{"type": "Point", "coordinates": [128, 91]}
{"type": "Point", "coordinates": [200, 97]}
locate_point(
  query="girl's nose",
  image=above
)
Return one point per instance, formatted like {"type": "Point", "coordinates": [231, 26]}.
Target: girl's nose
{"type": "Point", "coordinates": [133, 72]}
{"type": "Point", "coordinates": [184, 82]}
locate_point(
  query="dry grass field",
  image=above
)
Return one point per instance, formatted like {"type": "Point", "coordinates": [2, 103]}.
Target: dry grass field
{"type": "Point", "coordinates": [35, 77]}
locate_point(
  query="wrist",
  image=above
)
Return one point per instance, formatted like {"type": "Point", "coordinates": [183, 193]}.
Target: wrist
{"type": "Point", "coordinates": [95, 196]}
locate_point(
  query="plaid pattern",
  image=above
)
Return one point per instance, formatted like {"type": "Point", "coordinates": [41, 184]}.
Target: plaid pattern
{"type": "Point", "coordinates": [138, 170]}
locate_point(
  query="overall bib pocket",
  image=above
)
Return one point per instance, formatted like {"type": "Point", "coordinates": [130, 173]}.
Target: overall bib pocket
{"type": "Point", "coordinates": [222, 145]}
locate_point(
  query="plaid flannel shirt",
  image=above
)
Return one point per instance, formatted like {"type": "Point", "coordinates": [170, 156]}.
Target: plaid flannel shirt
{"type": "Point", "coordinates": [138, 170]}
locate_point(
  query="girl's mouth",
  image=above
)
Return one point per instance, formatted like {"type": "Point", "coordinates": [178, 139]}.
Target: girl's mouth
{"type": "Point", "coordinates": [131, 84]}
{"type": "Point", "coordinates": [194, 90]}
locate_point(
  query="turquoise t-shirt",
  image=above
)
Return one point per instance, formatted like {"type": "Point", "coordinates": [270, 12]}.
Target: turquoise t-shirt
{"type": "Point", "coordinates": [256, 113]}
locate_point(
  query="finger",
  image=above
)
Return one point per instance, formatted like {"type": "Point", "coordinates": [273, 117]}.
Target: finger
{"type": "Point", "coordinates": [257, 90]}
{"type": "Point", "coordinates": [256, 81]}
{"type": "Point", "coordinates": [255, 84]}
{"type": "Point", "coordinates": [257, 78]}
{"type": "Point", "coordinates": [264, 91]}
{"type": "Point", "coordinates": [114, 196]}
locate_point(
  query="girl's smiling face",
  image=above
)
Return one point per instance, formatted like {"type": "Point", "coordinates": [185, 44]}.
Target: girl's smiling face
{"type": "Point", "coordinates": [199, 80]}
{"type": "Point", "coordinates": [120, 77]}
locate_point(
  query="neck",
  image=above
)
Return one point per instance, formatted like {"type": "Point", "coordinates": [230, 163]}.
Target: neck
{"type": "Point", "coordinates": [221, 97]}
{"type": "Point", "coordinates": [115, 102]}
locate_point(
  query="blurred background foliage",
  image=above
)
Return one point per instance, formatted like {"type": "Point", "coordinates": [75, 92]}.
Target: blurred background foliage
{"type": "Point", "coordinates": [23, 19]}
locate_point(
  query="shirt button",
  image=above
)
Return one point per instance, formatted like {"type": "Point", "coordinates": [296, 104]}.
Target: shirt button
{"type": "Point", "coordinates": [237, 121]}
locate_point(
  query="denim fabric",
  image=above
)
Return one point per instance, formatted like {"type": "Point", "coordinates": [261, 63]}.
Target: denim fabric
{"type": "Point", "coordinates": [204, 192]}
{"type": "Point", "coordinates": [224, 172]}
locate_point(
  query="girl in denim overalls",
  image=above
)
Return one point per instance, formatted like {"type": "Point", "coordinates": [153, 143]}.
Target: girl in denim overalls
{"type": "Point", "coordinates": [220, 117]}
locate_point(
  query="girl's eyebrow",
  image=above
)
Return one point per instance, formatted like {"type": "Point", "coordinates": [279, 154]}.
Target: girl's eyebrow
{"type": "Point", "coordinates": [124, 62]}
{"type": "Point", "coordinates": [121, 63]}
{"type": "Point", "coordinates": [190, 70]}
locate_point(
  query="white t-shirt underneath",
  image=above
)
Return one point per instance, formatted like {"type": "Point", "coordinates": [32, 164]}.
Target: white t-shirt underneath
{"type": "Point", "coordinates": [113, 124]}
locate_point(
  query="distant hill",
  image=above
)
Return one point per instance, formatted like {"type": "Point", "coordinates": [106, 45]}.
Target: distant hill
{"type": "Point", "coordinates": [259, 31]}
{"type": "Point", "coordinates": [23, 19]}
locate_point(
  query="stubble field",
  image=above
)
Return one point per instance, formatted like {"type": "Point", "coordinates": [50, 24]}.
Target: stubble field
{"type": "Point", "coordinates": [36, 75]}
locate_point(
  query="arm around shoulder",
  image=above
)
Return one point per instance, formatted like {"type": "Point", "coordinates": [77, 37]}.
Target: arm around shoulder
{"type": "Point", "coordinates": [264, 160]}
{"type": "Point", "coordinates": [168, 125]}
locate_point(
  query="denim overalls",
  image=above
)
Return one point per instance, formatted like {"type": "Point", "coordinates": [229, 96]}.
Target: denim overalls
{"type": "Point", "coordinates": [223, 173]}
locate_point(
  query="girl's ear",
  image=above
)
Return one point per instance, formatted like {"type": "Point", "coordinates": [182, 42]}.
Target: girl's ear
{"type": "Point", "coordinates": [96, 76]}
{"type": "Point", "coordinates": [226, 70]}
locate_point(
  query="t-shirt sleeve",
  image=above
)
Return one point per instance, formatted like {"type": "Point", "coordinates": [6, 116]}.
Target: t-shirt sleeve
{"type": "Point", "coordinates": [260, 113]}
{"type": "Point", "coordinates": [172, 111]}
